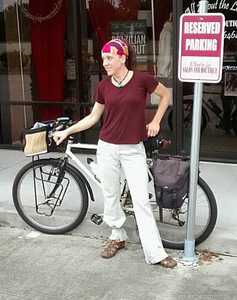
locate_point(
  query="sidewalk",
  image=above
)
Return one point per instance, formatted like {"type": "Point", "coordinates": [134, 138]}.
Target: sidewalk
{"type": "Point", "coordinates": [38, 266]}
{"type": "Point", "coordinates": [222, 240]}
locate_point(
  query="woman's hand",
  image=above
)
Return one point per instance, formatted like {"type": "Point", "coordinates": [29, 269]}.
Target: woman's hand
{"type": "Point", "coordinates": [152, 128]}
{"type": "Point", "coordinates": [60, 136]}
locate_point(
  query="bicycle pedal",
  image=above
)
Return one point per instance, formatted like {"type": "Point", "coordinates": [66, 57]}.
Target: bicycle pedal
{"type": "Point", "coordinates": [96, 219]}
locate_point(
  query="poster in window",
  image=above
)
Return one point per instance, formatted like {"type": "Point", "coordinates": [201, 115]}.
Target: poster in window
{"type": "Point", "coordinates": [135, 33]}
{"type": "Point", "coordinates": [230, 84]}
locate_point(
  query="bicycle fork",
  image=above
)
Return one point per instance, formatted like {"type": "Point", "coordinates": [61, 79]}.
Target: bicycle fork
{"type": "Point", "coordinates": [60, 177]}
{"type": "Point", "coordinates": [51, 200]}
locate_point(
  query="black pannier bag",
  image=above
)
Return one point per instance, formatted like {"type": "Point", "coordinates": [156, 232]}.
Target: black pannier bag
{"type": "Point", "coordinates": [171, 180]}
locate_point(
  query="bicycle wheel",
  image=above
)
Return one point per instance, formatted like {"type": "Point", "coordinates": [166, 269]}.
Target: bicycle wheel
{"type": "Point", "coordinates": [172, 223]}
{"type": "Point", "coordinates": [47, 204]}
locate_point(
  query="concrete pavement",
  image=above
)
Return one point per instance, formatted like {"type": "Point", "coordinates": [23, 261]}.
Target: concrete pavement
{"type": "Point", "coordinates": [222, 240]}
{"type": "Point", "coordinates": [40, 266]}
{"type": "Point", "coordinates": [36, 266]}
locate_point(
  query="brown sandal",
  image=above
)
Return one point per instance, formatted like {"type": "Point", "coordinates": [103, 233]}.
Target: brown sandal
{"type": "Point", "coordinates": [168, 262]}
{"type": "Point", "coordinates": [111, 248]}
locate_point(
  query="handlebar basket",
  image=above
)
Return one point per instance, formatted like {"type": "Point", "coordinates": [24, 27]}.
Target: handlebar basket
{"type": "Point", "coordinates": [36, 141]}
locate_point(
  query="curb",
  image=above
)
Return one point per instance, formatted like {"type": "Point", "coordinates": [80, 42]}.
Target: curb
{"type": "Point", "coordinates": [9, 217]}
{"type": "Point", "coordinates": [219, 241]}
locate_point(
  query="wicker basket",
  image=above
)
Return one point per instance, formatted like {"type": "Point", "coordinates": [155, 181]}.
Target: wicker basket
{"type": "Point", "coordinates": [36, 141]}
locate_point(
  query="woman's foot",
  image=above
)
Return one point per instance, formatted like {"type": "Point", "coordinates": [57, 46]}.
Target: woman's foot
{"type": "Point", "coordinates": [168, 262]}
{"type": "Point", "coordinates": [111, 248]}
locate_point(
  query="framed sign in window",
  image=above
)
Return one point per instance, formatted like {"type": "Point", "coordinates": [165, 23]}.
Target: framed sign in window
{"type": "Point", "coordinates": [230, 84]}
{"type": "Point", "coordinates": [132, 31]}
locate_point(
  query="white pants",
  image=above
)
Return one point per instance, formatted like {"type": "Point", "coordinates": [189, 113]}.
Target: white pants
{"type": "Point", "coordinates": [132, 159]}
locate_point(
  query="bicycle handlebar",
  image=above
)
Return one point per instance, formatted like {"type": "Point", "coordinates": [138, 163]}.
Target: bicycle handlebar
{"type": "Point", "coordinates": [55, 125]}
{"type": "Point", "coordinates": [152, 144]}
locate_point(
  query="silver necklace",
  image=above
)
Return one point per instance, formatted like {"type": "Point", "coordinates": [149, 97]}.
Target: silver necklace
{"type": "Point", "coordinates": [121, 81]}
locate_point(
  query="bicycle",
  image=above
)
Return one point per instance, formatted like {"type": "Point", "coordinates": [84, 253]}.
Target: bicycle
{"type": "Point", "coordinates": [44, 189]}
{"type": "Point", "coordinates": [225, 125]}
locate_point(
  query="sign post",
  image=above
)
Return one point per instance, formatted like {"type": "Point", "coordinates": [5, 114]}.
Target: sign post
{"type": "Point", "coordinates": [200, 60]}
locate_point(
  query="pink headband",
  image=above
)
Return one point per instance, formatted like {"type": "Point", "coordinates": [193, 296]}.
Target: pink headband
{"type": "Point", "coordinates": [120, 46]}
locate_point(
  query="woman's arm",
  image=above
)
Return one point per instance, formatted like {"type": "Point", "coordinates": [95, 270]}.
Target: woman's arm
{"type": "Point", "coordinates": [83, 124]}
{"type": "Point", "coordinates": [154, 126]}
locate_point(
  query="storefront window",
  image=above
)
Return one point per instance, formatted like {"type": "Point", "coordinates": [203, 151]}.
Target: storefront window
{"type": "Point", "coordinates": [147, 26]}
{"type": "Point", "coordinates": [37, 64]}
{"type": "Point", "coordinates": [50, 55]}
{"type": "Point", "coordinates": [219, 111]}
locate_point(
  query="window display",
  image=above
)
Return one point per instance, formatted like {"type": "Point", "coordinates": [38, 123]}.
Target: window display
{"type": "Point", "coordinates": [219, 112]}
{"type": "Point", "coordinates": [37, 62]}
{"type": "Point", "coordinates": [50, 64]}
{"type": "Point", "coordinates": [140, 23]}
{"type": "Point", "coordinates": [47, 30]}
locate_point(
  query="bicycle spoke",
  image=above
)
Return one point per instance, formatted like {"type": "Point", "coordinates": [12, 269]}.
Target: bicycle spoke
{"type": "Point", "coordinates": [47, 204]}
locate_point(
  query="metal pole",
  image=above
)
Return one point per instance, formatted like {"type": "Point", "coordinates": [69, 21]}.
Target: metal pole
{"type": "Point", "coordinates": [189, 243]}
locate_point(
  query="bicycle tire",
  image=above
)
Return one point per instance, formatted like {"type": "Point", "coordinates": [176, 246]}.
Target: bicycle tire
{"type": "Point", "coordinates": [67, 215]}
{"type": "Point", "coordinates": [179, 234]}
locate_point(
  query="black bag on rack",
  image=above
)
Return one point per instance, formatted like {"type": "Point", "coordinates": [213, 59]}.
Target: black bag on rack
{"type": "Point", "coordinates": [171, 180]}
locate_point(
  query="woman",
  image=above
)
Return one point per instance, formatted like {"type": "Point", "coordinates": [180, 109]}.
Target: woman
{"type": "Point", "coordinates": [121, 98]}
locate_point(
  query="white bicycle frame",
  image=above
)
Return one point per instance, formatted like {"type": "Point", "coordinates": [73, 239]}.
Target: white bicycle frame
{"type": "Point", "coordinates": [92, 176]}
{"type": "Point", "coordinates": [78, 161]}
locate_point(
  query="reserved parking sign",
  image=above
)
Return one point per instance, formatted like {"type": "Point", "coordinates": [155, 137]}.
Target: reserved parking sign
{"type": "Point", "coordinates": [201, 47]}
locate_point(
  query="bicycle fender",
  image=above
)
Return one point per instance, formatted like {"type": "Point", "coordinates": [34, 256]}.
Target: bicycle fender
{"type": "Point", "coordinates": [84, 179]}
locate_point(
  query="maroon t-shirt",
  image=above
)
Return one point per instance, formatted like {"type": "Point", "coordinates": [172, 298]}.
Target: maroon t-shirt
{"type": "Point", "coordinates": [124, 115]}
